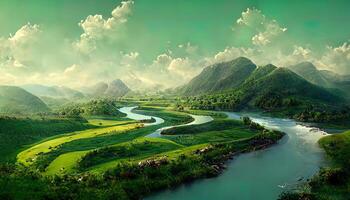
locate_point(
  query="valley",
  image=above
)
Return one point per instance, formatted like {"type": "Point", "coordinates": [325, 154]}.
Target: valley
{"type": "Point", "coordinates": [232, 124]}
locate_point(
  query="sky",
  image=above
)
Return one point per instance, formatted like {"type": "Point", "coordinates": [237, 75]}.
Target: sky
{"type": "Point", "coordinates": [163, 43]}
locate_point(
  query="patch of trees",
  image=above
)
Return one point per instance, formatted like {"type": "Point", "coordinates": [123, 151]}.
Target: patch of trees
{"type": "Point", "coordinates": [104, 107]}
{"type": "Point", "coordinates": [319, 114]}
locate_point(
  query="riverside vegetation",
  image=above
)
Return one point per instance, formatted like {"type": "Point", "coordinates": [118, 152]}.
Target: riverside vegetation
{"type": "Point", "coordinates": [108, 157]}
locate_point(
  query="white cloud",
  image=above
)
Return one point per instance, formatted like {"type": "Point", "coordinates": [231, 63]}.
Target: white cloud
{"type": "Point", "coordinates": [129, 59]}
{"type": "Point", "coordinates": [337, 59]}
{"type": "Point", "coordinates": [25, 35]}
{"type": "Point", "coordinates": [17, 49]}
{"type": "Point", "coordinates": [95, 27]}
{"type": "Point", "coordinates": [265, 29]}
{"type": "Point", "coordinates": [72, 69]}
{"type": "Point", "coordinates": [182, 67]}
{"type": "Point", "coordinates": [189, 48]}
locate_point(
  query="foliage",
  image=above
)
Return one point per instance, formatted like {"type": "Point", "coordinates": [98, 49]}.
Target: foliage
{"type": "Point", "coordinates": [106, 107]}
{"type": "Point", "coordinates": [16, 132]}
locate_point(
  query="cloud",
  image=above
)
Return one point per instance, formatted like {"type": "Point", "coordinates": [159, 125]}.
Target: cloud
{"type": "Point", "coordinates": [189, 48]}
{"type": "Point", "coordinates": [129, 59]}
{"type": "Point", "coordinates": [16, 50]}
{"type": "Point", "coordinates": [95, 27]}
{"type": "Point", "coordinates": [25, 35]}
{"type": "Point", "coordinates": [337, 59]}
{"type": "Point", "coordinates": [182, 67]}
{"type": "Point", "coordinates": [266, 29]}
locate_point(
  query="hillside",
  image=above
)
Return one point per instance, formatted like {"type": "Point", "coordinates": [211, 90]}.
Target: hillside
{"type": "Point", "coordinates": [322, 78]}
{"type": "Point", "coordinates": [17, 100]}
{"type": "Point", "coordinates": [309, 72]}
{"type": "Point", "coordinates": [280, 84]}
{"type": "Point", "coordinates": [221, 76]}
{"type": "Point", "coordinates": [277, 90]}
{"type": "Point", "coordinates": [53, 91]}
{"type": "Point", "coordinates": [114, 89]}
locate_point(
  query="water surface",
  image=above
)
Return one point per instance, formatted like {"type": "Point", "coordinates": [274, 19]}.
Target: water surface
{"type": "Point", "coordinates": [262, 174]}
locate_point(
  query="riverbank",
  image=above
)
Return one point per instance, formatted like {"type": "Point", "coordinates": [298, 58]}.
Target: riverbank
{"type": "Point", "coordinates": [333, 182]}
{"type": "Point", "coordinates": [131, 166]}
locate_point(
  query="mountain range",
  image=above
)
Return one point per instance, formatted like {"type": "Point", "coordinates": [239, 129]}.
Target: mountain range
{"type": "Point", "coordinates": [114, 89]}
{"type": "Point", "coordinates": [240, 83]}
{"type": "Point", "coordinates": [53, 91]}
{"type": "Point", "coordinates": [324, 78]}
{"type": "Point", "coordinates": [17, 100]}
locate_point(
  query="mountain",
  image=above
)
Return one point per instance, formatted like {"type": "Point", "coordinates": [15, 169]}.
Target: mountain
{"type": "Point", "coordinates": [53, 91]}
{"type": "Point", "coordinates": [221, 76]}
{"type": "Point", "coordinates": [270, 85]}
{"type": "Point", "coordinates": [17, 100]}
{"type": "Point", "coordinates": [322, 78]}
{"type": "Point", "coordinates": [264, 87]}
{"type": "Point", "coordinates": [309, 72]}
{"type": "Point", "coordinates": [116, 88]}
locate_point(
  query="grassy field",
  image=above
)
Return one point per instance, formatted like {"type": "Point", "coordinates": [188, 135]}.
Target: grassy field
{"type": "Point", "coordinates": [27, 156]}
{"type": "Point", "coordinates": [17, 132]}
{"type": "Point", "coordinates": [112, 158]}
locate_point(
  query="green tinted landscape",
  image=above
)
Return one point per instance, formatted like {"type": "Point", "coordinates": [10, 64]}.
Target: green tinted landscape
{"type": "Point", "coordinates": [174, 100]}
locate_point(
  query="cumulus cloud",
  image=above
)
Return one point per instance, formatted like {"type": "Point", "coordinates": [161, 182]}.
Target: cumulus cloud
{"type": "Point", "coordinates": [95, 27]}
{"type": "Point", "coordinates": [337, 59]}
{"type": "Point", "coordinates": [266, 29]}
{"type": "Point", "coordinates": [25, 35]}
{"type": "Point", "coordinates": [17, 49]}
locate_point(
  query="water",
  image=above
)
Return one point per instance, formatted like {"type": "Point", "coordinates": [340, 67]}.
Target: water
{"type": "Point", "coordinates": [197, 119]}
{"type": "Point", "coordinates": [263, 174]}
{"type": "Point", "coordinates": [135, 116]}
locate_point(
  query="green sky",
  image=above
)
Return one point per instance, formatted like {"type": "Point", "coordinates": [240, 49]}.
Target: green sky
{"type": "Point", "coordinates": [157, 26]}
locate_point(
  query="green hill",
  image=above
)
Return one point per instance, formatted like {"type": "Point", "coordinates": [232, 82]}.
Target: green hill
{"type": "Point", "coordinates": [324, 78]}
{"type": "Point", "coordinates": [220, 77]}
{"type": "Point", "coordinates": [277, 90]}
{"type": "Point", "coordinates": [17, 100]}
{"type": "Point", "coordinates": [273, 86]}
{"type": "Point", "coordinates": [309, 72]}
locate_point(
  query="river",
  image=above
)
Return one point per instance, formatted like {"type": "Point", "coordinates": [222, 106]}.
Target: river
{"type": "Point", "coordinates": [262, 174]}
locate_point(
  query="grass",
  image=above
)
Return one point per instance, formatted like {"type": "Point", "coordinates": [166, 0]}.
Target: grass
{"type": "Point", "coordinates": [51, 150]}
{"type": "Point", "coordinates": [219, 130]}
{"type": "Point", "coordinates": [103, 162]}
{"type": "Point", "coordinates": [27, 156]}
{"type": "Point", "coordinates": [133, 151]}
{"type": "Point", "coordinates": [17, 132]}
{"type": "Point", "coordinates": [65, 163]}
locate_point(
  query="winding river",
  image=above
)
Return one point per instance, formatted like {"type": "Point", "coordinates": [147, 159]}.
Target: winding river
{"type": "Point", "coordinates": [197, 119]}
{"type": "Point", "coordinates": [262, 174]}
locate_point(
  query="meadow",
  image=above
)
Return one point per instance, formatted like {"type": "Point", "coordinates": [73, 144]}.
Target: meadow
{"type": "Point", "coordinates": [110, 149]}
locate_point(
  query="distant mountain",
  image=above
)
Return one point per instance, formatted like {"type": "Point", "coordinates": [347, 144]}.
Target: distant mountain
{"type": "Point", "coordinates": [322, 78]}
{"type": "Point", "coordinates": [309, 72]}
{"type": "Point", "coordinates": [141, 85]}
{"type": "Point", "coordinates": [270, 85]}
{"type": "Point", "coordinates": [53, 91]}
{"type": "Point", "coordinates": [221, 76]}
{"type": "Point", "coordinates": [116, 88]}
{"type": "Point", "coordinates": [239, 84]}
{"type": "Point", "coordinates": [17, 100]}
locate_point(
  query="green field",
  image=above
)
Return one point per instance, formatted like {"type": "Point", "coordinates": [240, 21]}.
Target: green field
{"type": "Point", "coordinates": [114, 150]}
